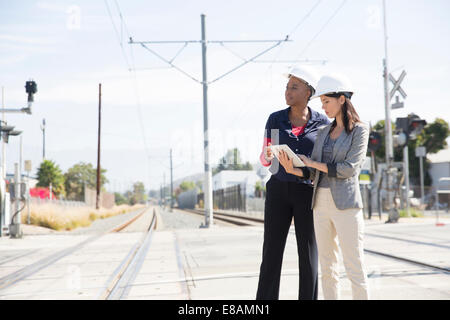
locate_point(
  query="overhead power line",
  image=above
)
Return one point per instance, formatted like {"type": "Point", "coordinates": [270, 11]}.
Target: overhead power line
{"type": "Point", "coordinates": [243, 110]}
{"type": "Point", "coordinates": [322, 28]}
{"type": "Point", "coordinates": [131, 68]}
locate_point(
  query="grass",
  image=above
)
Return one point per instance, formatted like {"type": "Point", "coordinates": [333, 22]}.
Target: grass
{"type": "Point", "coordinates": [60, 218]}
{"type": "Point", "coordinates": [412, 213]}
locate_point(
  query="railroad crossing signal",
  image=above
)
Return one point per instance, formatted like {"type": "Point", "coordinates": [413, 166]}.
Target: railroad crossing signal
{"type": "Point", "coordinates": [397, 104]}
{"type": "Point", "coordinates": [397, 87]}
{"type": "Point", "coordinates": [396, 84]}
{"type": "Point", "coordinates": [408, 128]}
{"type": "Point", "coordinates": [374, 141]}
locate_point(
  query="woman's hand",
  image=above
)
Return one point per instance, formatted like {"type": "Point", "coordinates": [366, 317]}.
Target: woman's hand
{"type": "Point", "coordinates": [268, 154]}
{"type": "Point", "coordinates": [307, 161]}
{"type": "Point", "coordinates": [286, 162]}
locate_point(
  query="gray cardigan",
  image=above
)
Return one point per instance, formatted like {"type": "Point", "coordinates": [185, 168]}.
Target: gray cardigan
{"type": "Point", "coordinates": [348, 155]}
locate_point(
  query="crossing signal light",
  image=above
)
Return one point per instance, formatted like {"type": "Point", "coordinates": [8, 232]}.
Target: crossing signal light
{"type": "Point", "coordinates": [374, 141]}
{"type": "Point", "coordinates": [416, 125]}
{"type": "Point", "coordinates": [31, 89]}
{"type": "Point", "coordinates": [409, 127]}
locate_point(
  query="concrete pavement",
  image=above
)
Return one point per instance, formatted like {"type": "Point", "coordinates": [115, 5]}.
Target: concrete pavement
{"type": "Point", "coordinates": [221, 263]}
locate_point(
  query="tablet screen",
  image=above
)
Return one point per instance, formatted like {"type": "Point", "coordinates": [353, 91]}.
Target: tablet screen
{"type": "Point", "coordinates": [296, 160]}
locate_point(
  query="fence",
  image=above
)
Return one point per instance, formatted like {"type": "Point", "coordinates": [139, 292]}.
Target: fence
{"type": "Point", "coordinates": [234, 198]}
{"type": "Point", "coordinates": [231, 198]}
{"type": "Point", "coordinates": [61, 202]}
{"type": "Point", "coordinates": [431, 199]}
{"type": "Point", "coordinates": [107, 200]}
{"type": "Point", "coordinates": [255, 204]}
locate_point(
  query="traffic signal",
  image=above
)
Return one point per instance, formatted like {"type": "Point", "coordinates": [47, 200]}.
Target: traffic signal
{"type": "Point", "coordinates": [408, 128]}
{"type": "Point", "coordinates": [374, 141]}
{"type": "Point", "coordinates": [31, 89]}
{"type": "Point", "coordinates": [415, 125]}
{"type": "Point", "coordinates": [401, 129]}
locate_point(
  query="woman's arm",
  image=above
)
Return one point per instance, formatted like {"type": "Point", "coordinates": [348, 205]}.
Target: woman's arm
{"type": "Point", "coordinates": [289, 166]}
{"type": "Point", "coordinates": [314, 164]}
{"type": "Point", "coordinates": [355, 156]}
{"type": "Point", "coordinates": [266, 156]}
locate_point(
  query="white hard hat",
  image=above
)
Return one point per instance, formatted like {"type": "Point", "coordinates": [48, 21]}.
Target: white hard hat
{"type": "Point", "coordinates": [305, 74]}
{"type": "Point", "coordinates": [333, 83]}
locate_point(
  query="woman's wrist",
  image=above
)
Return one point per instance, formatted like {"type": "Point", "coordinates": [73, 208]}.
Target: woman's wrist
{"type": "Point", "coordinates": [311, 164]}
{"type": "Point", "coordinates": [296, 172]}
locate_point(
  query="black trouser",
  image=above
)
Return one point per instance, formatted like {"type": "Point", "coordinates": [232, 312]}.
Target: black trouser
{"type": "Point", "coordinates": [285, 200]}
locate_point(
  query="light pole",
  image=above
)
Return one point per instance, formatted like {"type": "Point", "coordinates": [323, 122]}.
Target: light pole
{"type": "Point", "coordinates": [28, 168]}
{"type": "Point", "coordinates": [30, 89]}
{"type": "Point", "coordinates": [97, 202]}
{"type": "Point", "coordinates": [15, 230]}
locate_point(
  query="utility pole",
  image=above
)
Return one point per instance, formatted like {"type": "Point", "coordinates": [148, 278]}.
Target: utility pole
{"type": "Point", "coordinates": [421, 152]}
{"type": "Point", "coordinates": [208, 174]}
{"type": "Point", "coordinates": [389, 152]}
{"type": "Point", "coordinates": [30, 89]}
{"type": "Point", "coordinates": [406, 165]}
{"type": "Point", "coordinates": [171, 182]}
{"type": "Point", "coordinates": [164, 189]}
{"type": "Point", "coordinates": [15, 230]}
{"type": "Point", "coordinates": [3, 141]}
{"type": "Point", "coordinates": [207, 183]}
{"type": "Point", "coordinates": [3, 173]}
{"type": "Point", "coordinates": [28, 168]}
{"type": "Point", "coordinates": [43, 138]}
{"type": "Point", "coordinates": [97, 203]}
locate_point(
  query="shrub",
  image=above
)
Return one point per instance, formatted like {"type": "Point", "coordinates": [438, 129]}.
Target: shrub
{"type": "Point", "coordinates": [58, 217]}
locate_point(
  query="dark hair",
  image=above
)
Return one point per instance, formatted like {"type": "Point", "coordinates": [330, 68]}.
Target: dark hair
{"type": "Point", "coordinates": [349, 114]}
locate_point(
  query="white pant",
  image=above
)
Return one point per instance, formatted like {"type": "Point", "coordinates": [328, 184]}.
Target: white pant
{"type": "Point", "coordinates": [348, 226]}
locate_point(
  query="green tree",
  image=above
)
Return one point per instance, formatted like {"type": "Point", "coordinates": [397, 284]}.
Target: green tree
{"type": "Point", "coordinates": [128, 196]}
{"type": "Point", "coordinates": [232, 161]}
{"type": "Point", "coordinates": [199, 185]}
{"type": "Point", "coordinates": [78, 176]}
{"type": "Point", "coordinates": [49, 172]}
{"type": "Point", "coordinates": [138, 194]}
{"type": "Point", "coordinates": [187, 185]}
{"type": "Point", "coordinates": [433, 138]}
{"type": "Point", "coordinates": [380, 154]}
{"type": "Point", "coordinates": [120, 198]}
{"type": "Point", "coordinates": [259, 189]}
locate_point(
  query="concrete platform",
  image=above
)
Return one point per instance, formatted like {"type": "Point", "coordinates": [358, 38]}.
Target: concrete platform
{"type": "Point", "coordinates": [221, 263]}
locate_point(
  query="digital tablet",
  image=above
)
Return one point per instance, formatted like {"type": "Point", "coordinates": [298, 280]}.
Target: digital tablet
{"type": "Point", "coordinates": [297, 162]}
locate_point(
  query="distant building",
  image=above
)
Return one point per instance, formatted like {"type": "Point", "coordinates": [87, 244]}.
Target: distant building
{"type": "Point", "coordinates": [31, 181]}
{"type": "Point", "coordinates": [440, 165]}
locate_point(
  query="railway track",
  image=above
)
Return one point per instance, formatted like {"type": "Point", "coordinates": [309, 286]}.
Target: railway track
{"type": "Point", "coordinates": [29, 270]}
{"type": "Point", "coordinates": [251, 221]}
{"type": "Point", "coordinates": [118, 285]}
{"type": "Point", "coordinates": [232, 219]}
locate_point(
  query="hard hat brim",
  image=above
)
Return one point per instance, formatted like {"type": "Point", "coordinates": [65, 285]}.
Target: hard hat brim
{"type": "Point", "coordinates": [288, 75]}
{"type": "Point", "coordinates": [317, 95]}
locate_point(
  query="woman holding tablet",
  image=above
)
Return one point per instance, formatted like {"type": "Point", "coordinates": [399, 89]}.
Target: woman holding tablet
{"type": "Point", "coordinates": [334, 167]}
{"type": "Point", "coordinates": [287, 195]}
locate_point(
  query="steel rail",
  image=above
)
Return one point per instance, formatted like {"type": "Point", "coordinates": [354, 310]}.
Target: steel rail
{"type": "Point", "coordinates": [15, 277]}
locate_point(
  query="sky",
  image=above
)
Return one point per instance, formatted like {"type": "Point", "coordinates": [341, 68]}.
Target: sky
{"type": "Point", "coordinates": [148, 107]}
